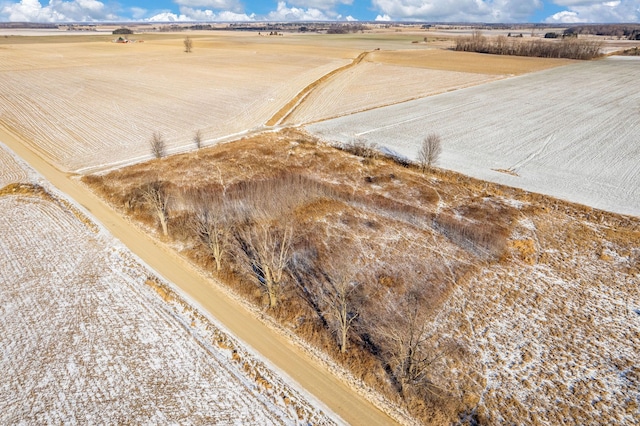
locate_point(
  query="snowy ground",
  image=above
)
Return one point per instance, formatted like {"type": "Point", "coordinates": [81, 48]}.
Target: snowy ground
{"type": "Point", "coordinates": [556, 338]}
{"type": "Point", "coordinates": [88, 335]}
{"type": "Point", "coordinates": [11, 170]}
{"type": "Point", "coordinates": [571, 132]}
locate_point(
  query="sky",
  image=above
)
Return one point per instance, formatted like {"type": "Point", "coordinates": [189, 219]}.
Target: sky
{"type": "Point", "coordinates": [488, 11]}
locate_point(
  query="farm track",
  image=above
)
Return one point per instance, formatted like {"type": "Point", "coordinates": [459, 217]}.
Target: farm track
{"type": "Point", "coordinates": [274, 347]}
{"type": "Point", "coordinates": [296, 102]}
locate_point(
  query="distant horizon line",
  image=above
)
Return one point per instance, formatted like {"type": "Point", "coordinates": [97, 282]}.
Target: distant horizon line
{"type": "Point", "coordinates": [418, 22]}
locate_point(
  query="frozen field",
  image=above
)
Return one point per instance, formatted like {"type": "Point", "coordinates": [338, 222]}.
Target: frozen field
{"type": "Point", "coordinates": [88, 336]}
{"type": "Point", "coordinates": [570, 132]}
{"type": "Point", "coordinates": [556, 339]}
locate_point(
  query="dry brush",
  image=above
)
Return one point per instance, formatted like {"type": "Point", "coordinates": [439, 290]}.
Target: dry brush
{"type": "Point", "coordinates": [357, 254]}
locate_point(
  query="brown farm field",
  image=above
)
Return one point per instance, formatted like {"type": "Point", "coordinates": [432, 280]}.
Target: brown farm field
{"type": "Point", "coordinates": [87, 104]}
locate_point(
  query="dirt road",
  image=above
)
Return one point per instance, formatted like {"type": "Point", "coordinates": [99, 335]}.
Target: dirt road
{"type": "Point", "coordinates": [350, 406]}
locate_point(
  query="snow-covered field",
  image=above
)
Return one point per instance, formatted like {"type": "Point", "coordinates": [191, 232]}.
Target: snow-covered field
{"type": "Point", "coordinates": [88, 335]}
{"type": "Point", "coordinates": [571, 132]}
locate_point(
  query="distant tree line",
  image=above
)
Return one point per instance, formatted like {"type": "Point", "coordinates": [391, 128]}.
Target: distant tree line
{"type": "Point", "coordinates": [345, 28]}
{"type": "Point", "coordinates": [629, 31]}
{"type": "Point", "coordinates": [569, 48]}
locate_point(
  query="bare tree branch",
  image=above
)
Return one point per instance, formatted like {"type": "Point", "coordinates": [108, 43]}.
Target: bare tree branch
{"type": "Point", "coordinates": [267, 249]}
{"type": "Point", "coordinates": [339, 297]}
{"type": "Point", "coordinates": [197, 138]}
{"type": "Point", "coordinates": [210, 223]}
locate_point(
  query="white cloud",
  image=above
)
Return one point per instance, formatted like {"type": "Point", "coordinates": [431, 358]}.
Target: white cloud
{"type": "Point", "coordinates": [564, 17]}
{"type": "Point", "coordinates": [286, 13]}
{"type": "Point", "coordinates": [230, 5]}
{"type": "Point", "coordinates": [169, 17]}
{"type": "Point", "coordinates": [458, 10]}
{"type": "Point", "coordinates": [320, 4]}
{"type": "Point", "coordinates": [597, 11]}
{"type": "Point", "coordinates": [350, 19]}
{"type": "Point", "coordinates": [57, 11]}
{"type": "Point", "coordinates": [209, 15]}
{"type": "Point", "coordinates": [383, 18]}
{"type": "Point", "coordinates": [570, 3]}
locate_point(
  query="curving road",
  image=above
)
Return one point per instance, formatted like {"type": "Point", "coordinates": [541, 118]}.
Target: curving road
{"type": "Point", "coordinates": [273, 347]}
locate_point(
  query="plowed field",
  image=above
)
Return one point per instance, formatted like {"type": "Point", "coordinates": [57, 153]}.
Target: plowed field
{"type": "Point", "coordinates": [10, 170]}
{"type": "Point", "coordinates": [92, 105]}
{"type": "Point", "coordinates": [88, 105]}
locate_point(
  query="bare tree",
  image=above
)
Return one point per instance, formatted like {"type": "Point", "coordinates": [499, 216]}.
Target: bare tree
{"type": "Point", "coordinates": [158, 145]}
{"type": "Point", "coordinates": [429, 151]}
{"type": "Point", "coordinates": [188, 44]}
{"type": "Point", "coordinates": [339, 297]}
{"type": "Point", "coordinates": [155, 194]}
{"type": "Point", "coordinates": [210, 223]}
{"type": "Point", "coordinates": [402, 331]}
{"type": "Point", "coordinates": [267, 248]}
{"type": "Point", "coordinates": [197, 138]}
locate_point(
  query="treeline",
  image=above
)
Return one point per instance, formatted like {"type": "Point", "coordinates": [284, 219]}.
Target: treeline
{"type": "Point", "coordinates": [345, 28]}
{"type": "Point", "coordinates": [568, 48]}
{"type": "Point", "coordinates": [629, 31]}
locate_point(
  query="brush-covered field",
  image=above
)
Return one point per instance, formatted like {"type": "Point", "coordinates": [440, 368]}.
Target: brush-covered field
{"type": "Point", "coordinates": [89, 334]}
{"type": "Point", "coordinates": [466, 299]}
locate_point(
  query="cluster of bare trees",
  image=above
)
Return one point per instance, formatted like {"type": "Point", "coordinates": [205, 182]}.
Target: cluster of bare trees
{"type": "Point", "coordinates": [158, 144]}
{"type": "Point", "coordinates": [570, 48]}
{"type": "Point", "coordinates": [629, 31]}
{"type": "Point", "coordinates": [251, 231]}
